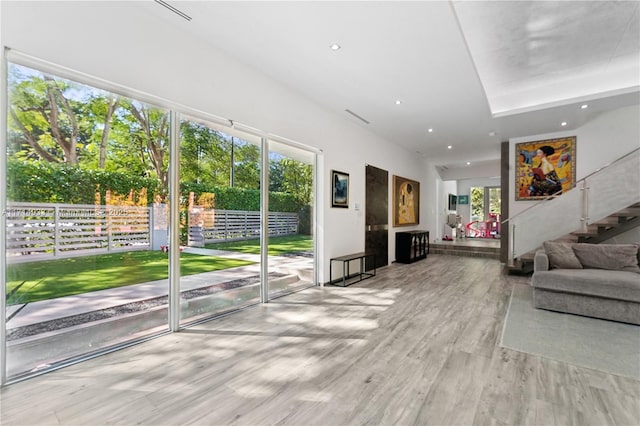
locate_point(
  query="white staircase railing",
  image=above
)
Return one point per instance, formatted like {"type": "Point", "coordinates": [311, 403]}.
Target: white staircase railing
{"type": "Point", "coordinates": [608, 190]}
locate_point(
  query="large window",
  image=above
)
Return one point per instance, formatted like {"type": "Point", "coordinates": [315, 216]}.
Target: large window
{"type": "Point", "coordinates": [86, 216]}
{"type": "Point", "coordinates": [291, 253]}
{"type": "Point", "coordinates": [88, 224]}
{"type": "Point", "coordinates": [220, 218]}
{"type": "Point", "coordinates": [485, 212]}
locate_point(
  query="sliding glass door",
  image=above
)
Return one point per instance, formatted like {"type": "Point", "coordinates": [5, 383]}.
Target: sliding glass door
{"type": "Point", "coordinates": [220, 219]}
{"type": "Point", "coordinates": [86, 219]}
{"type": "Point", "coordinates": [97, 212]}
{"type": "Point", "coordinates": [485, 212]}
{"type": "Point", "coordinates": [291, 209]}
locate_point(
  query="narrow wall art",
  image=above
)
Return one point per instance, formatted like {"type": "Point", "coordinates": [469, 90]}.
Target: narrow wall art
{"type": "Point", "coordinates": [340, 189]}
{"type": "Point", "coordinates": [406, 201]}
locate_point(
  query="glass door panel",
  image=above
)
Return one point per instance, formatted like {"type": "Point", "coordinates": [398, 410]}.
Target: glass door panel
{"type": "Point", "coordinates": [291, 206]}
{"type": "Point", "coordinates": [86, 216]}
{"type": "Point", "coordinates": [485, 213]}
{"type": "Point", "coordinates": [477, 204]}
{"type": "Point", "coordinates": [219, 219]}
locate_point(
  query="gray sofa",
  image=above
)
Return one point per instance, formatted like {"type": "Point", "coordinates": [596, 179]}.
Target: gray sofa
{"type": "Point", "coordinates": [595, 280]}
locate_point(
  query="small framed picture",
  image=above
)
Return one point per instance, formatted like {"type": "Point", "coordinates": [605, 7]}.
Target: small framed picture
{"type": "Point", "coordinates": [339, 189]}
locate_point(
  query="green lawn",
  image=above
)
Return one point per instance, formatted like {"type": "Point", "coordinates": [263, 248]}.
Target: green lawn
{"type": "Point", "coordinates": [63, 277]}
{"type": "Point", "coordinates": [277, 245]}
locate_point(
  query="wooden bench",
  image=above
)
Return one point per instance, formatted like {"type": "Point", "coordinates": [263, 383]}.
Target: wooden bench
{"type": "Point", "coordinates": [346, 259]}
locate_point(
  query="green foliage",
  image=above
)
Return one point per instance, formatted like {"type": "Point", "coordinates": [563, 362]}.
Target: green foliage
{"type": "Point", "coordinates": [477, 203]}
{"type": "Point", "coordinates": [227, 198]}
{"type": "Point", "coordinates": [208, 156]}
{"type": "Point", "coordinates": [293, 177]}
{"type": "Point", "coordinates": [67, 140]}
{"type": "Point", "coordinates": [42, 182]}
{"type": "Point", "coordinates": [478, 197]}
{"type": "Point", "coordinates": [60, 121]}
{"type": "Point", "coordinates": [495, 202]}
{"type": "Point", "coordinates": [204, 155]}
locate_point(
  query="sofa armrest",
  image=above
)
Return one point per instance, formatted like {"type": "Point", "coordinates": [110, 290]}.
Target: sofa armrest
{"type": "Point", "coordinates": [541, 261]}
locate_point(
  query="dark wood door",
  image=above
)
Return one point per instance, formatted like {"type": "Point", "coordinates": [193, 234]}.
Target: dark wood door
{"type": "Point", "coordinates": [377, 215]}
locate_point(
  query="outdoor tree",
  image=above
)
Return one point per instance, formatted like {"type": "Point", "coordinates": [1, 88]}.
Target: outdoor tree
{"type": "Point", "coordinates": [293, 177]}
{"type": "Point", "coordinates": [149, 132]}
{"type": "Point", "coordinates": [205, 155]}
{"type": "Point", "coordinates": [477, 203]}
{"type": "Point", "coordinates": [494, 200]}
{"type": "Point", "coordinates": [57, 121]}
{"type": "Point", "coordinates": [47, 122]}
{"type": "Point", "coordinates": [246, 165]}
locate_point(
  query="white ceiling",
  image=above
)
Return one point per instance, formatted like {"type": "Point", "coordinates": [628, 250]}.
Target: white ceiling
{"type": "Point", "coordinates": [464, 69]}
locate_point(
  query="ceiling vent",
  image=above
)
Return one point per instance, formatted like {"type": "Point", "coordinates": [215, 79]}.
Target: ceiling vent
{"type": "Point", "coordinates": [356, 116]}
{"type": "Point", "coordinates": [174, 10]}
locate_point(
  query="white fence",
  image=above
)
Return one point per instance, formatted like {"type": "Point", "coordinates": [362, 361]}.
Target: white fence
{"type": "Point", "coordinates": [36, 231]}
{"type": "Point", "coordinates": [231, 225]}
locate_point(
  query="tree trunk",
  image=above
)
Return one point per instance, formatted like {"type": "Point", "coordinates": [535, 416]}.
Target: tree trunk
{"type": "Point", "coordinates": [111, 108]}
{"type": "Point", "coordinates": [31, 140]}
{"type": "Point", "coordinates": [155, 144]}
{"type": "Point", "coordinates": [68, 144]}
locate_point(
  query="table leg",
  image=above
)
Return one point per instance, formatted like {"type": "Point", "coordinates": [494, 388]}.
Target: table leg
{"type": "Point", "coordinates": [344, 269]}
{"type": "Point", "coordinates": [330, 274]}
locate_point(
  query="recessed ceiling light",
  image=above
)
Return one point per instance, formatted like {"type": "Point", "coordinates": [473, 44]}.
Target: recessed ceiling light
{"type": "Point", "coordinates": [492, 133]}
{"type": "Point", "coordinates": [398, 102]}
{"type": "Point", "coordinates": [334, 46]}
{"type": "Point", "coordinates": [584, 106]}
{"type": "Point", "coordinates": [430, 130]}
{"type": "Point", "coordinates": [449, 147]}
{"type": "Point", "coordinates": [468, 163]}
{"type": "Point", "coordinates": [564, 123]}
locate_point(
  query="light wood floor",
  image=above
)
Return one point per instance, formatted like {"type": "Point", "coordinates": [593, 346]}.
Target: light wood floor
{"type": "Point", "coordinates": [417, 345]}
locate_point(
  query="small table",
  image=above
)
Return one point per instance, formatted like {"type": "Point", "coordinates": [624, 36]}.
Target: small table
{"type": "Point", "coordinates": [362, 275]}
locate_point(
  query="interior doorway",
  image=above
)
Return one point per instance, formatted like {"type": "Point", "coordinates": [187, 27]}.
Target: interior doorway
{"type": "Point", "coordinates": [377, 215]}
{"type": "Point", "coordinates": [486, 209]}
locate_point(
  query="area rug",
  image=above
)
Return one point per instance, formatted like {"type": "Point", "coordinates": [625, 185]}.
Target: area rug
{"type": "Point", "coordinates": [607, 346]}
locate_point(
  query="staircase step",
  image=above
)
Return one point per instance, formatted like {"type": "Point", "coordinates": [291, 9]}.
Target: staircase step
{"type": "Point", "coordinates": [451, 249]}
{"type": "Point", "coordinates": [607, 221]}
{"type": "Point", "coordinates": [629, 212]}
{"type": "Point", "coordinates": [585, 234]}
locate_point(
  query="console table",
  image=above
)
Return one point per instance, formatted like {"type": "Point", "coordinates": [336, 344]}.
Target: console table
{"type": "Point", "coordinates": [411, 246]}
{"type": "Point", "coordinates": [362, 274]}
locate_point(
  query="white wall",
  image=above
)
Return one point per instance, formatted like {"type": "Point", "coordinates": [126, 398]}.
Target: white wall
{"type": "Point", "coordinates": [444, 188]}
{"type": "Point", "coordinates": [121, 43]}
{"type": "Point", "coordinates": [431, 203]}
{"type": "Point", "coordinates": [598, 142]}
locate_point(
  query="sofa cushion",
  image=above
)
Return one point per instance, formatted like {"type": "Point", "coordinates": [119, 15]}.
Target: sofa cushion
{"type": "Point", "coordinates": [621, 285]}
{"type": "Point", "coordinates": [617, 257]}
{"type": "Point", "coordinates": [561, 255]}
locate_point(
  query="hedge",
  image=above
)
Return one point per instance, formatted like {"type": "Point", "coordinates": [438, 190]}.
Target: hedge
{"type": "Point", "coordinates": [41, 182]}
{"type": "Point", "coordinates": [228, 198]}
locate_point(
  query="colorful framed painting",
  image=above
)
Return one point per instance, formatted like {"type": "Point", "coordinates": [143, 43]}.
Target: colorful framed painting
{"type": "Point", "coordinates": [545, 168]}
{"type": "Point", "coordinates": [339, 189]}
{"type": "Point", "coordinates": [406, 201]}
